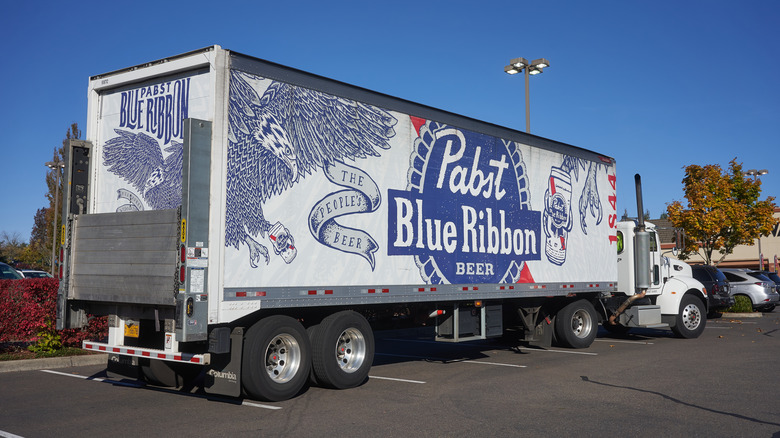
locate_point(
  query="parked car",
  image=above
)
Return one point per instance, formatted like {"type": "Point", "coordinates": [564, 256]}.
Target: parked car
{"type": "Point", "coordinates": [754, 285]}
{"type": "Point", "coordinates": [31, 273]}
{"type": "Point", "coordinates": [9, 273]}
{"type": "Point", "coordinates": [774, 277]}
{"type": "Point", "coordinates": [718, 288]}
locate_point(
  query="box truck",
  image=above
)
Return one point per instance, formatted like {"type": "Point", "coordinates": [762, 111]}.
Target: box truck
{"type": "Point", "coordinates": [253, 222]}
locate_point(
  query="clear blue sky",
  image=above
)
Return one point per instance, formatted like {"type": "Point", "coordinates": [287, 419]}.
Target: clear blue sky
{"type": "Point", "coordinates": [658, 85]}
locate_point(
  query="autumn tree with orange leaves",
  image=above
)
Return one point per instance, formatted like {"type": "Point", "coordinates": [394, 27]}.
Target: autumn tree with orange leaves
{"type": "Point", "coordinates": [723, 211]}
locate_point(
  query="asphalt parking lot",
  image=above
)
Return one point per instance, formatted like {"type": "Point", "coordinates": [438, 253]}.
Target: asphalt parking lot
{"type": "Point", "coordinates": [646, 384]}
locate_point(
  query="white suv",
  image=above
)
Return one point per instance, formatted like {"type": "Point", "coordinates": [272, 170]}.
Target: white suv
{"type": "Point", "coordinates": [754, 285]}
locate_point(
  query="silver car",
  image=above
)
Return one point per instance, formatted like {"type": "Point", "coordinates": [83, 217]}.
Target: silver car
{"type": "Point", "coordinates": [754, 285]}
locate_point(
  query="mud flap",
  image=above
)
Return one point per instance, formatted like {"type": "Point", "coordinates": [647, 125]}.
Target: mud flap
{"type": "Point", "coordinates": [223, 375]}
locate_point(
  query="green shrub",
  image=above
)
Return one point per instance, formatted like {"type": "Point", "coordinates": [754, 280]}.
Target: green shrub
{"type": "Point", "coordinates": [742, 304]}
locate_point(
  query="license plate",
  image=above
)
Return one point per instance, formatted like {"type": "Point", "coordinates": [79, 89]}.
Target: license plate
{"type": "Point", "coordinates": [131, 330]}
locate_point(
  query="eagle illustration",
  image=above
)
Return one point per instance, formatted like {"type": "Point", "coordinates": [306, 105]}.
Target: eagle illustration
{"type": "Point", "coordinates": [282, 136]}
{"type": "Point", "coordinates": [138, 158]}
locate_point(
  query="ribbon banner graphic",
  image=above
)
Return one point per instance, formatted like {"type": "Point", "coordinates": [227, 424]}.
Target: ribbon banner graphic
{"type": "Point", "coordinates": [361, 196]}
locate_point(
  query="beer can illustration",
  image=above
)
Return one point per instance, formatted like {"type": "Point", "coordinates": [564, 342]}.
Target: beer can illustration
{"type": "Point", "coordinates": [557, 216]}
{"type": "Point", "coordinates": [282, 242]}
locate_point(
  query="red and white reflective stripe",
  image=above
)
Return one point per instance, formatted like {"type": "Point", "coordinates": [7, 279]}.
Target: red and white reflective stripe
{"type": "Point", "coordinates": [199, 359]}
{"type": "Point", "coordinates": [317, 292]}
{"type": "Point", "coordinates": [383, 290]}
{"type": "Point", "coordinates": [426, 289]}
{"type": "Point", "coordinates": [539, 286]}
{"type": "Point", "coordinates": [567, 286]}
{"type": "Point", "coordinates": [506, 288]}
{"type": "Point", "coordinates": [249, 294]}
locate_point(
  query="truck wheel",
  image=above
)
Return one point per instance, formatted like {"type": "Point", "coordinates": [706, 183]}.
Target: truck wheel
{"type": "Point", "coordinates": [691, 319]}
{"type": "Point", "coordinates": [342, 350]}
{"type": "Point", "coordinates": [276, 359]}
{"type": "Point", "coordinates": [575, 324]}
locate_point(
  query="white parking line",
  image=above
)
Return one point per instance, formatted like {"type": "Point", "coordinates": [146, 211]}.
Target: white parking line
{"type": "Point", "coordinates": [616, 341]}
{"type": "Point", "coordinates": [396, 380]}
{"type": "Point", "coordinates": [139, 385]}
{"type": "Point", "coordinates": [4, 434]}
{"type": "Point", "coordinates": [452, 360]}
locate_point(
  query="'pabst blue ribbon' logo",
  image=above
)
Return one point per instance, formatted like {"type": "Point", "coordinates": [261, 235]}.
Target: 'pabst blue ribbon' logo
{"type": "Point", "coordinates": [466, 213]}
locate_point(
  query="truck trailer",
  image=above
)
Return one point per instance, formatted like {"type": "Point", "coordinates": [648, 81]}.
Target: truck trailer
{"type": "Point", "coordinates": [255, 223]}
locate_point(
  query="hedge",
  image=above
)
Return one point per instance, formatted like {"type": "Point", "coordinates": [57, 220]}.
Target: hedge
{"type": "Point", "coordinates": [28, 312]}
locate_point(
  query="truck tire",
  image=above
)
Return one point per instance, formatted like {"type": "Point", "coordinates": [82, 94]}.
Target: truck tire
{"type": "Point", "coordinates": [276, 360]}
{"type": "Point", "coordinates": [576, 324]}
{"type": "Point", "coordinates": [691, 319]}
{"type": "Point", "coordinates": [342, 350]}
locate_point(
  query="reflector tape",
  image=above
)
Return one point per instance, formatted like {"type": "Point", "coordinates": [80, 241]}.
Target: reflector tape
{"type": "Point", "coordinates": [199, 359]}
{"type": "Point", "coordinates": [247, 294]}
{"type": "Point", "coordinates": [506, 288]}
{"type": "Point", "coordinates": [317, 292]}
{"type": "Point", "coordinates": [375, 290]}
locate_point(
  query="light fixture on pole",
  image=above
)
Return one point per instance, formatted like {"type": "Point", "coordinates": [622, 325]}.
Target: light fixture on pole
{"type": "Point", "coordinates": [755, 174]}
{"type": "Point", "coordinates": [535, 67]}
{"type": "Point", "coordinates": [55, 165]}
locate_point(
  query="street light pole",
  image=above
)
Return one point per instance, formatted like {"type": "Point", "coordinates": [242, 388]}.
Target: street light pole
{"type": "Point", "coordinates": [55, 165]}
{"type": "Point", "coordinates": [755, 174]}
{"type": "Point", "coordinates": [535, 67]}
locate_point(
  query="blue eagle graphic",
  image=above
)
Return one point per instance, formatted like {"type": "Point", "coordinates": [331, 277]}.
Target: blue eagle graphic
{"type": "Point", "coordinates": [138, 158]}
{"type": "Point", "coordinates": [280, 137]}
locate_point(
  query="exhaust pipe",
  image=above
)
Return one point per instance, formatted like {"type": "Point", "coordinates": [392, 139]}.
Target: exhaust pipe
{"type": "Point", "coordinates": [641, 256]}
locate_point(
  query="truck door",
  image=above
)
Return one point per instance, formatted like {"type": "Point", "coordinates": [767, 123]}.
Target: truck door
{"type": "Point", "coordinates": [655, 259]}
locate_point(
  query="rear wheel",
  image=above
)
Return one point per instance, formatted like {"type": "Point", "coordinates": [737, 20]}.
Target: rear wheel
{"type": "Point", "coordinates": [276, 359]}
{"type": "Point", "coordinates": [342, 350]}
{"type": "Point", "coordinates": [576, 324]}
{"type": "Point", "coordinates": [691, 318]}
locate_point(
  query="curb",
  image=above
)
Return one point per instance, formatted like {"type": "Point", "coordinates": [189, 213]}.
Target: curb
{"type": "Point", "coordinates": [742, 315]}
{"type": "Point", "coordinates": [52, 362]}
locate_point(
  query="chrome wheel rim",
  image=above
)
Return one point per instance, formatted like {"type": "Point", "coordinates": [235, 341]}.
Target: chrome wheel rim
{"type": "Point", "coordinates": [350, 350]}
{"type": "Point", "coordinates": [282, 358]}
{"type": "Point", "coordinates": [691, 317]}
{"type": "Point", "coordinates": [581, 323]}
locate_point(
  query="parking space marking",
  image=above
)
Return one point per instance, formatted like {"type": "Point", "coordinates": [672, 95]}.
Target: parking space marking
{"type": "Point", "coordinates": [452, 360]}
{"type": "Point", "coordinates": [396, 380]}
{"type": "Point", "coordinates": [143, 386]}
{"type": "Point", "coordinates": [4, 434]}
{"type": "Point", "coordinates": [617, 341]}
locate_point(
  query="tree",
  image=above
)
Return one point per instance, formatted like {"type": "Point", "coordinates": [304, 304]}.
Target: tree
{"type": "Point", "coordinates": [11, 247]}
{"type": "Point", "coordinates": [723, 211]}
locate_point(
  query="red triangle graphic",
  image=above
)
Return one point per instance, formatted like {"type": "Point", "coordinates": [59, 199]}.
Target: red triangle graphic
{"type": "Point", "coordinates": [417, 122]}
{"type": "Point", "coordinates": [525, 275]}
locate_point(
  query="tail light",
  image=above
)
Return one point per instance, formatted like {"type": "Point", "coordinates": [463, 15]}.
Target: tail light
{"type": "Point", "coordinates": [62, 253]}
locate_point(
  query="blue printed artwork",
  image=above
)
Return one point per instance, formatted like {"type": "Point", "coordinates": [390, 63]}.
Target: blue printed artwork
{"type": "Point", "coordinates": [278, 138]}
{"type": "Point", "coordinates": [138, 159]}
{"type": "Point", "coordinates": [466, 214]}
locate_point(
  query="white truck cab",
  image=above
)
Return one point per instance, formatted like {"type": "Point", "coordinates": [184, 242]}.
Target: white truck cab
{"type": "Point", "coordinates": [670, 296]}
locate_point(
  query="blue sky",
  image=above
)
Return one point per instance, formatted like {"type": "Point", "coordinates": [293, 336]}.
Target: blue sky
{"type": "Point", "coordinates": [657, 85]}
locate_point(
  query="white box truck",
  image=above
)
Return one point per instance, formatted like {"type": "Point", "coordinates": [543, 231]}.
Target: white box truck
{"type": "Point", "coordinates": [254, 222]}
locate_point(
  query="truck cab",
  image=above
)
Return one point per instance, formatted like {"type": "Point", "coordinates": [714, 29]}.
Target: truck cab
{"type": "Point", "coordinates": [671, 297]}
